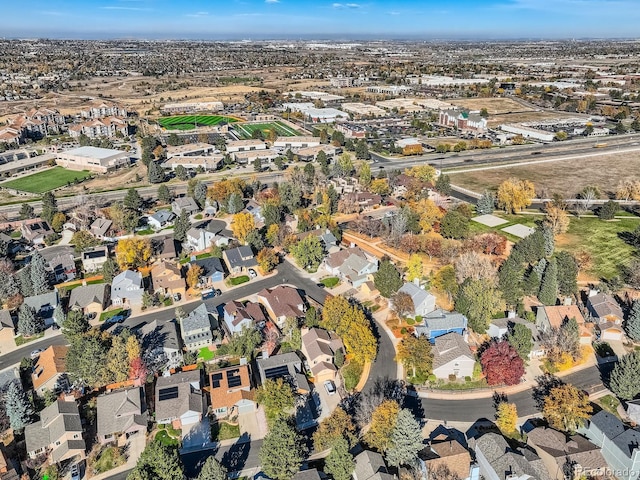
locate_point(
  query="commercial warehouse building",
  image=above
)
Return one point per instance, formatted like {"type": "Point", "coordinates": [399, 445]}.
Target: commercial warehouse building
{"type": "Point", "coordinates": [101, 160]}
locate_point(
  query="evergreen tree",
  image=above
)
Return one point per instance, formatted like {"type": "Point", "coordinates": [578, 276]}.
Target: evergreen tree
{"type": "Point", "coordinates": [164, 194]}
{"type": "Point", "coordinates": [282, 451]}
{"type": "Point", "coordinates": [321, 158]}
{"type": "Point", "coordinates": [17, 407]}
{"type": "Point", "coordinates": [133, 200]}
{"type": "Point", "coordinates": [549, 241]}
{"type": "Point", "coordinates": [340, 464]}
{"type": "Point", "coordinates": [567, 274]}
{"type": "Point", "coordinates": [181, 173]}
{"type": "Point", "coordinates": [24, 279]}
{"type": "Point", "coordinates": [406, 440]}
{"type": "Point", "coordinates": [74, 326]}
{"type": "Point", "coordinates": [38, 274]}
{"type": "Point", "coordinates": [235, 203]}
{"type": "Point", "coordinates": [520, 338]}
{"type": "Point", "coordinates": [387, 279]}
{"type": "Point", "coordinates": [29, 323]}
{"type": "Point", "coordinates": [110, 269]}
{"type": "Point", "coordinates": [200, 194]}
{"type": "Point", "coordinates": [624, 377]}
{"type": "Point", "coordinates": [362, 151]}
{"type": "Point", "coordinates": [443, 185]}
{"type": "Point", "coordinates": [212, 469]}
{"type": "Point", "coordinates": [486, 203]}
{"type": "Point", "coordinates": [158, 462]}
{"type": "Point", "coordinates": [8, 287]}
{"type": "Point", "coordinates": [49, 207]}
{"type": "Point", "coordinates": [155, 173]}
{"type": "Point", "coordinates": [549, 286]}
{"type": "Point", "coordinates": [26, 211]}
{"type": "Point", "coordinates": [632, 325]}
{"type": "Point", "coordinates": [181, 226]}
{"type": "Point", "coordinates": [257, 165]}
{"type": "Point", "coordinates": [510, 279]}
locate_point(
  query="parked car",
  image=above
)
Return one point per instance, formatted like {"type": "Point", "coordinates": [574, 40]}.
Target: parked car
{"type": "Point", "coordinates": [91, 316]}
{"type": "Point", "coordinates": [114, 319]}
{"type": "Point", "coordinates": [75, 472]}
{"type": "Point", "coordinates": [330, 387]}
{"type": "Point", "coordinates": [252, 273]}
{"type": "Point", "coordinates": [206, 294]}
{"type": "Point", "coordinates": [176, 297]}
{"type": "Point", "coordinates": [36, 353]}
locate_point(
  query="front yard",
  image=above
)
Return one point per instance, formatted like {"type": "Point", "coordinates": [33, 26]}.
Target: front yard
{"type": "Point", "coordinates": [169, 436]}
{"type": "Point", "coordinates": [107, 459]}
{"type": "Point", "coordinates": [233, 281]}
{"type": "Point", "coordinates": [111, 313]}
{"type": "Point", "coordinates": [224, 431]}
{"type": "Point", "coordinates": [330, 282]}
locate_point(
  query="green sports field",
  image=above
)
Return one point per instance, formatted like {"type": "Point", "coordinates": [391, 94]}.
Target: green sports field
{"type": "Point", "coordinates": [189, 122]}
{"type": "Point", "coordinates": [245, 130]}
{"type": "Point", "coordinates": [48, 180]}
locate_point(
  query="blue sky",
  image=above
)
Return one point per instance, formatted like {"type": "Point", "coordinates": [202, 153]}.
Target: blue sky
{"type": "Point", "coordinates": [348, 19]}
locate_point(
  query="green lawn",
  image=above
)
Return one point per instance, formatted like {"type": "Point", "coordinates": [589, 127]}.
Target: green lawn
{"type": "Point", "coordinates": [48, 180]}
{"type": "Point", "coordinates": [224, 431]}
{"type": "Point", "coordinates": [330, 282]}
{"type": "Point", "coordinates": [609, 403]}
{"type": "Point", "coordinates": [239, 280]}
{"type": "Point", "coordinates": [206, 354]}
{"type": "Point", "coordinates": [109, 458]}
{"type": "Point", "coordinates": [164, 438]}
{"type": "Point", "coordinates": [351, 374]}
{"type": "Point", "coordinates": [20, 340]}
{"type": "Point", "coordinates": [245, 130]}
{"type": "Point", "coordinates": [198, 257]}
{"type": "Point", "coordinates": [110, 313]}
{"type": "Point", "coordinates": [189, 122]}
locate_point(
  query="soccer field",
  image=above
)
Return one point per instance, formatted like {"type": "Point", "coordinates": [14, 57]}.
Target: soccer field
{"type": "Point", "coordinates": [189, 122]}
{"type": "Point", "coordinates": [48, 180]}
{"type": "Point", "coordinates": [245, 130]}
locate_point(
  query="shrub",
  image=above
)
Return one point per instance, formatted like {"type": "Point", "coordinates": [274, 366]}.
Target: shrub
{"type": "Point", "coordinates": [467, 378]}
{"type": "Point", "coordinates": [403, 331]}
{"type": "Point", "coordinates": [452, 377]}
{"type": "Point", "coordinates": [432, 378]}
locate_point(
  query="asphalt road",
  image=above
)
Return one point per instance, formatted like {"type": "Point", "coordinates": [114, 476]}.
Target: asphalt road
{"type": "Point", "coordinates": [236, 457]}
{"type": "Point", "coordinates": [384, 367]}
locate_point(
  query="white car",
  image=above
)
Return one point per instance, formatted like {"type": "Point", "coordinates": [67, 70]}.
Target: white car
{"type": "Point", "coordinates": [330, 387]}
{"type": "Point", "coordinates": [36, 353]}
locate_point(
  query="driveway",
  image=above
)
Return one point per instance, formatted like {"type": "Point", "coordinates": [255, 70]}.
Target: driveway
{"type": "Point", "coordinates": [253, 425]}
{"type": "Point", "coordinates": [67, 235]}
{"type": "Point", "coordinates": [328, 403]}
{"type": "Point", "coordinates": [197, 436]}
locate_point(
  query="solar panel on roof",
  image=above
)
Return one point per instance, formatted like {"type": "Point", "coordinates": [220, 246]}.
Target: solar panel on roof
{"type": "Point", "coordinates": [216, 376]}
{"type": "Point", "coordinates": [276, 372]}
{"type": "Point", "coordinates": [168, 393]}
{"type": "Point", "coordinates": [233, 378]}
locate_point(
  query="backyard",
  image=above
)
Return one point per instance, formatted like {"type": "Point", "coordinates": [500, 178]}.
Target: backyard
{"type": "Point", "coordinates": [46, 180]}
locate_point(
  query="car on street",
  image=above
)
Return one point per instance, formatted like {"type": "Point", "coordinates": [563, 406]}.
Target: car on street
{"type": "Point", "coordinates": [330, 387]}
{"type": "Point", "coordinates": [36, 353]}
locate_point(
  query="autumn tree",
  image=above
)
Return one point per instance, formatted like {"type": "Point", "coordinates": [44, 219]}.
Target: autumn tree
{"type": "Point", "coordinates": [335, 308]}
{"type": "Point", "coordinates": [242, 224]}
{"type": "Point", "coordinates": [566, 408]}
{"type": "Point", "coordinates": [276, 397]}
{"type": "Point", "coordinates": [83, 240]}
{"type": "Point", "coordinates": [501, 364]}
{"type": "Point", "coordinates": [267, 260]}
{"type": "Point", "coordinates": [416, 356]}
{"type": "Point", "coordinates": [429, 214]}
{"type": "Point", "coordinates": [333, 428]}
{"type": "Point", "coordinates": [424, 173]}
{"type": "Point", "coordinates": [478, 301]}
{"type": "Point", "coordinates": [308, 252]}
{"type": "Point", "coordinates": [415, 268]}
{"type": "Point", "coordinates": [514, 195]}
{"type": "Point", "coordinates": [402, 304]}
{"type": "Point", "coordinates": [557, 219]}
{"type": "Point", "coordinates": [133, 252]}
{"type": "Point", "coordinates": [506, 417]}
{"type": "Point", "coordinates": [193, 275]}
{"type": "Point", "coordinates": [475, 266]}
{"type": "Point", "coordinates": [383, 422]}
{"type": "Point", "coordinates": [357, 335]}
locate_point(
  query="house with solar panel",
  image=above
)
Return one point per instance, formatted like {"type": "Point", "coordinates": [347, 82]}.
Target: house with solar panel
{"type": "Point", "coordinates": [179, 400]}
{"type": "Point", "coordinates": [231, 393]}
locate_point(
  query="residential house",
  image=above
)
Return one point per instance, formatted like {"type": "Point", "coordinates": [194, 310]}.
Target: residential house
{"type": "Point", "coordinates": [35, 232]}
{"type": "Point", "coordinates": [604, 309]}
{"type": "Point", "coordinates": [50, 370]}
{"type": "Point", "coordinates": [498, 461]}
{"type": "Point", "coordinates": [351, 265]}
{"type": "Point", "coordinates": [423, 301]}
{"type": "Point", "coordinates": [558, 450]}
{"type": "Point", "coordinates": [452, 356]}
{"type": "Point", "coordinates": [499, 327]}
{"type": "Point", "coordinates": [231, 391]}
{"type": "Point", "coordinates": [282, 302]}
{"type": "Point", "coordinates": [179, 400]}
{"type": "Point", "coordinates": [364, 200]}
{"type": "Point", "coordinates": [212, 270]}
{"type": "Point", "coordinates": [100, 228]}
{"type": "Point", "coordinates": [310, 474]}
{"type": "Point", "coordinates": [195, 329]}
{"type": "Point", "coordinates": [8, 465]}
{"type": "Point", "coordinates": [62, 266]}
{"type": "Point", "coordinates": [239, 259]}
{"type": "Point", "coordinates": [127, 288]}
{"type": "Point", "coordinates": [620, 446]}
{"type": "Point", "coordinates": [319, 347]}
{"type": "Point", "coordinates": [447, 455]}
{"type": "Point", "coordinates": [328, 239]}
{"type": "Point", "coordinates": [6, 322]}
{"type": "Point", "coordinates": [440, 322]}
{"type": "Point", "coordinates": [167, 278]}
{"type": "Point", "coordinates": [202, 237]}
{"type": "Point", "coordinates": [161, 219]}
{"type": "Point", "coordinates": [90, 298]}
{"type": "Point", "coordinates": [370, 466]}
{"type": "Point", "coordinates": [255, 209]}
{"type": "Point", "coordinates": [633, 411]}
{"type": "Point", "coordinates": [186, 204]}
{"type": "Point", "coordinates": [238, 316]}
{"type": "Point", "coordinates": [287, 366]}
{"type": "Point", "coordinates": [160, 343]}
{"type": "Point", "coordinates": [58, 433]}
{"type": "Point", "coordinates": [548, 317]}
{"type": "Point", "coordinates": [166, 249]}
{"type": "Point", "coordinates": [121, 412]}
{"type": "Point", "coordinates": [94, 259]}
{"type": "Point", "coordinates": [44, 305]}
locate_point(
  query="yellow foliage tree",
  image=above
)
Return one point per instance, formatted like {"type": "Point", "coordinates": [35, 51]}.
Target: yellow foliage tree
{"type": "Point", "coordinates": [222, 190]}
{"type": "Point", "coordinates": [267, 260]}
{"type": "Point", "coordinates": [273, 231]}
{"type": "Point", "coordinates": [336, 426]}
{"type": "Point", "coordinates": [506, 417]}
{"type": "Point", "coordinates": [242, 224]}
{"type": "Point", "coordinates": [415, 267]}
{"type": "Point", "coordinates": [425, 173]}
{"type": "Point", "coordinates": [514, 194]}
{"type": "Point", "coordinates": [133, 252]}
{"type": "Point", "coordinates": [566, 408]}
{"type": "Point", "coordinates": [429, 213]}
{"type": "Point", "coordinates": [133, 348]}
{"type": "Point", "coordinates": [383, 422]}
{"type": "Point", "coordinates": [193, 275]}
{"type": "Point", "coordinates": [557, 219]}
{"type": "Point", "coordinates": [380, 186]}
{"type": "Point", "coordinates": [334, 309]}
{"type": "Point", "coordinates": [357, 336]}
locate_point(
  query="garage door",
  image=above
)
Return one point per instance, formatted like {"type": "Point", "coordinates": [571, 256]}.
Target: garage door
{"type": "Point", "coordinates": [611, 335]}
{"type": "Point", "coordinates": [246, 407]}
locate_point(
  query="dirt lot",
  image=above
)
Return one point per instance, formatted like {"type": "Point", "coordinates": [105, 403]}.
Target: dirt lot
{"type": "Point", "coordinates": [494, 106]}
{"type": "Point", "coordinates": [567, 177]}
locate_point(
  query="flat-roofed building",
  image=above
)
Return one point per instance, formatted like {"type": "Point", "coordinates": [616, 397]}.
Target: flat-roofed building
{"type": "Point", "coordinates": [190, 150]}
{"type": "Point", "coordinates": [101, 160]}
{"type": "Point", "coordinates": [245, 145]}
{"type": "Point", "coordinates": [296, 142]}
{"type": "Point", "coordinates": [362, 109]}
{"type": "Point", "coordinates": [189, 107]}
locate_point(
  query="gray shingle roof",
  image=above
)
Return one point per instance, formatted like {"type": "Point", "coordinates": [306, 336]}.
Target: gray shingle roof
{"type": "Point", "coordinates": [449, 347]}
{"type": "Point", "coordinates": [504, 460]}
{"type": "Point", "coordinates": [87, 294]}
{"type": "Point", "coordinates": [368, 465]}
{"type": "Point", "coordinates": [417, 294]}
{"type": "Point", "coordinates": [37, 302]}
{"type": "Point", "coordinates": [240, 257]}
{"type": "Point", "coordinates": [197, 319]}
{"type": "Point", "coordinates": [119, 411]}
{"type": "Point", "coordinates": [55, 420]}
{"type": "Point", "coordinates": [188, 398]}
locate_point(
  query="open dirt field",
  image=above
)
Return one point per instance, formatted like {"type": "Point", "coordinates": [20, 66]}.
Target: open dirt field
{"type": "Point", "coordinates": [566, 176]}
{"type": "Point", "coordinates": [494, 106]}
{"type": "Point", "coordinates": [525, 116]}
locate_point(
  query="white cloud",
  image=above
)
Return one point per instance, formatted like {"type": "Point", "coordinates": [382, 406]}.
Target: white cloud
{"type": "Point", "coordinates": [271, 1]}
{"type": "Point", "coordinates": [346, 5]}
{"type": "Point", "coordinates": [197, 14]}
{"type": "Point", "coordinates": [131, 9]}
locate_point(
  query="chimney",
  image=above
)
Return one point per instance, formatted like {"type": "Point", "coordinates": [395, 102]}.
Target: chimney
{"type": "Point", "coordinates": [511, 314]}
{"type": "Point", "coordinates": [243, 360]}
{"type": "Point", "coordinates": [593, 292]}
{"type": "Point", "coordinates": [265, 353]}
{"type": "Point", "coordinates": [567, 301]}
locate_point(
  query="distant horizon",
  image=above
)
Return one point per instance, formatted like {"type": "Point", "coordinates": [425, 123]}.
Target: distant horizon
{"type": "Point", "coordinates": [349, 20]}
